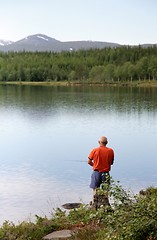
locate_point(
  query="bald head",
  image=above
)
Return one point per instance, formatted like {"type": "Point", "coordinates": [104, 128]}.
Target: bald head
{"type": "Point", "coordinates": [103, 141]}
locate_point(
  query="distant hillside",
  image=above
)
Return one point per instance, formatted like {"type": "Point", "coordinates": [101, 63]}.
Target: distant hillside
{"type": "Point", "coordinates": [40, 42]}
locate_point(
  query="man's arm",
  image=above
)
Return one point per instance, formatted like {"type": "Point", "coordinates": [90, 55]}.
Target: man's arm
{"type": "Point", "coordinates": [112, 161]}
{"type": "Point", "coordinates": [90, 162]}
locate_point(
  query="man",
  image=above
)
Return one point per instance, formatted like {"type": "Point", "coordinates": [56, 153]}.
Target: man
{"type": "Point", "coordinates": [101, 159]}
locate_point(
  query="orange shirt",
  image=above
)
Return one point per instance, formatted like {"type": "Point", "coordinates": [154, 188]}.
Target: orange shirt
{"type": "Point", "coordinates": [102, 157]}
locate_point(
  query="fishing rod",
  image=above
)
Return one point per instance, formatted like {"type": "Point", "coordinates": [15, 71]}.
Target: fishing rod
{"type": "Point", "coordinates": [75, 161]}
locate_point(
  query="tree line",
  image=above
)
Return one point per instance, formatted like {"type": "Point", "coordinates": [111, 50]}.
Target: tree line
{"type": "Point", "coordinates": [95, 65]}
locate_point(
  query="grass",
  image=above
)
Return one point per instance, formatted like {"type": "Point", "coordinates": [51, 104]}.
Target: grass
{"type": "Point", "coordinates": [130, 217]}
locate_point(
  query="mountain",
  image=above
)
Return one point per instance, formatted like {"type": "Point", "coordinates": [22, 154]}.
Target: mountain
{"type": "Point", "coordinates": [41, 42]}
{"type": "Point", "coordinates": [5, 42]}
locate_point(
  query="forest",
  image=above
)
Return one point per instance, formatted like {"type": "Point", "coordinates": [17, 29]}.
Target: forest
{"type": "Point", "coordinates": [118, 64]}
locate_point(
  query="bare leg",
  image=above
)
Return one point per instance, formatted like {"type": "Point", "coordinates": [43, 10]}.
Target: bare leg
{"type": "Point", "coordinates": [94, 191]}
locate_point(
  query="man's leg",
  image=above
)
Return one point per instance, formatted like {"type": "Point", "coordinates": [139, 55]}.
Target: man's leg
{"type": "Point", "coordinates": [95, 184]}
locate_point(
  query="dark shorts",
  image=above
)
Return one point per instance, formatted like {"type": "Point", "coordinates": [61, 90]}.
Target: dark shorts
{"type": "Point", "coordinates": [97, 178]}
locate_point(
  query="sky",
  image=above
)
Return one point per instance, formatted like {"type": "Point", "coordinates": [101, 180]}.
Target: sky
{"type": "Point", "coordinates": [130, 22]}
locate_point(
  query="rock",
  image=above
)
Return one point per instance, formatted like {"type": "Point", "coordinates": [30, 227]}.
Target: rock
{"type": "Point", "coordinates": [62, 234]}
{"type": "Point", "coordinates": [71, 205]}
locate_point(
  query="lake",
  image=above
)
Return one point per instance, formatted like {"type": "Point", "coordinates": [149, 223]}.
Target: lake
{"type": "Point", "coordinates": [46, 134]}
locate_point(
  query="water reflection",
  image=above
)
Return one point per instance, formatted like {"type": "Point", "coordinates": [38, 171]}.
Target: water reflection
{"type": "Point", "coordinates": [48, 132]}
{"type": "Point", "coordinates": [25, 192]}
{"type": "Point", "coordinates": [47, 99]}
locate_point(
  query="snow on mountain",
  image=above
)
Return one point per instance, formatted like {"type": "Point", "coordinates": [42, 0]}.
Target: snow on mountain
{"type": "Point", "coordinates": [46, 39]}
{"type": "Point", "coordinates": [5, 42]}
{"type": "Point", "coordinates": [37, 39]}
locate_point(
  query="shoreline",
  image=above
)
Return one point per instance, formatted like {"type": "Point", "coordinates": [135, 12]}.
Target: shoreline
{"type": "Point", "coordinates": [146, 83]}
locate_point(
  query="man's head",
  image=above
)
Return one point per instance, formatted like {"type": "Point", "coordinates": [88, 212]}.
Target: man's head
{"type": "Point", "coordinates": [103, 141]}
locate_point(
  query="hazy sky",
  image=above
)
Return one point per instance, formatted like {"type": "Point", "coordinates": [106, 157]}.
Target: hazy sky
{"type": "Point", "coordinates": [119, 21]}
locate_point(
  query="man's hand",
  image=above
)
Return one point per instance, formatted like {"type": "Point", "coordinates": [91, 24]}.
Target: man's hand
{"type": "Point", "coordinates": [90, 162]}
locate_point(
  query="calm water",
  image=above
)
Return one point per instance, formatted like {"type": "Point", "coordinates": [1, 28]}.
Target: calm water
{"type": "Point", "coordinates": [46, 134]}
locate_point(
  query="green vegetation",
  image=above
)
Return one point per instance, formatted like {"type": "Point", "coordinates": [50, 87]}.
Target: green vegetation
{"type": "Point", "coordinates": [108, 65]}
{"type": "Point", "coordinates": [130, 217]}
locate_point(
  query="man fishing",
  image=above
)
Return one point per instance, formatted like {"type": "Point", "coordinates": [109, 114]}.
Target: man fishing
{"type": "Point", "coordinates": [101, 159]}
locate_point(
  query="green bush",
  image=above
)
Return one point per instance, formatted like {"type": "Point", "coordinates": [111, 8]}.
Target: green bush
{"type": "Point", "coordinates": [133, 217]}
